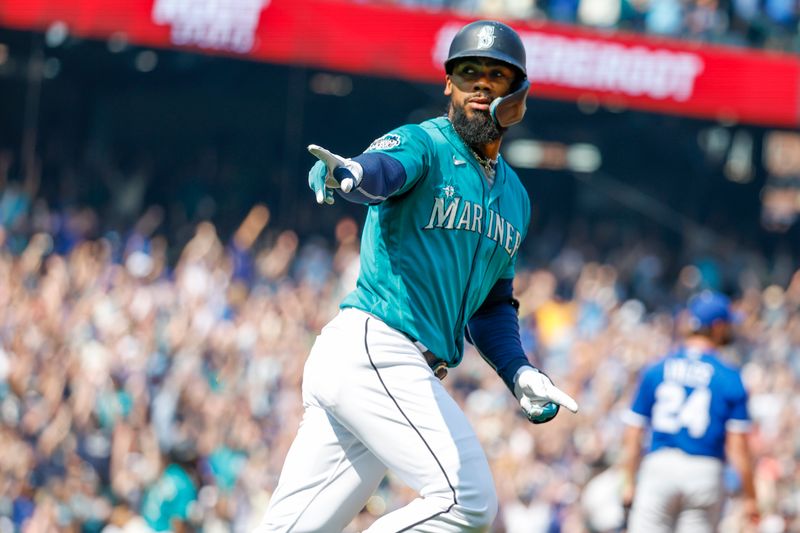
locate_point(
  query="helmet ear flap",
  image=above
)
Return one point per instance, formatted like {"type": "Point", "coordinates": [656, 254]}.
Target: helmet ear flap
{"type": "Point", "coordinates": [509, 110]}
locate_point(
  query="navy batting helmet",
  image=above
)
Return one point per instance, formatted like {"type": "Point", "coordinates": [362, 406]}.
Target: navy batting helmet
{"type": "Point", "coordinates": [495, 40]}
{"type": "Point", "coordinates": [487, 38]}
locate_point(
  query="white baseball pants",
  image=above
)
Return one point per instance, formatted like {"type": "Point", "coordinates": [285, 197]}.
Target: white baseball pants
{"type": "Point", "coordinates": [677, 492]}
{"type": "Point", "coordinates": [372, 403]}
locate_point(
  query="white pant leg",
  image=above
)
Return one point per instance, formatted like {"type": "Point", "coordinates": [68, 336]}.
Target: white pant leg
{"type": "Point", "coordinates": [392, 402]}
{"type": "Point", "coordinates": [677, 492]}
{"type": "Point", "coordinates": [381, 402]}
{"type": "Point", "coordinates": [703, 495]}
{"type": "Point", "coordinates": [326, 479]}
{"type": "Point", "coordinates": [656, 503]}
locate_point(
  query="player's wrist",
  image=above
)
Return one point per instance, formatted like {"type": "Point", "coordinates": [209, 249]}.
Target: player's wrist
{"type": "Point", "coordinates": [628, 481]}
{"type": "Point", "coordinates": [348, 176]}
{"type": "Point", "coordinates": [518, 392]}
{"type": "Point", "coordinates": [750, 509]}
{"type": "Point", "coordinates": [356, 170]}
{"type": "Point", "coordinates": [520, 370]}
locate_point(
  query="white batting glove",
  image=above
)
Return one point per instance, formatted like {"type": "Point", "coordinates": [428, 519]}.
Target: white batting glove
{"type": "Point", "coordinates": [335, 172]}
{"type": "Point", "coordinates": [538, 397]}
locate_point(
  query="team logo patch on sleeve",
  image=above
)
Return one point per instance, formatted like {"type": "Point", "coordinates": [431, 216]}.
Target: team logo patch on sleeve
{"type": "Point", "coordinates": [387, 142]}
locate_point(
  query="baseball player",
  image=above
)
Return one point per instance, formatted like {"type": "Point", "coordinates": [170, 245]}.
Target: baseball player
{"type": "Point", "coordinates": [696, 407]}
{"type": "Point", "coordinates": [445, 223]}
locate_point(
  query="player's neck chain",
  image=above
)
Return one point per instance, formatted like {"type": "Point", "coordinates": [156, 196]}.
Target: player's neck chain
{"type": "Point", "coordinates": [489, 165]}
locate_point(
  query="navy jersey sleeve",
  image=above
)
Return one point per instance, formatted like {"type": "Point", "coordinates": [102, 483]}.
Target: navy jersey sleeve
{"type": "Point", "coordinates": [383, 176]}
{"type": "Point", "coordinates": [494, 331]}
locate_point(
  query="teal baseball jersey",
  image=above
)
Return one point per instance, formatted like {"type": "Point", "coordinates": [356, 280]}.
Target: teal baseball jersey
{"type": "Point", "coordinates": [432, 251]}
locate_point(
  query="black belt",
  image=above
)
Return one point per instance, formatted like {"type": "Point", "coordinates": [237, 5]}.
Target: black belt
{"type": "Point", "coordinates": [438, 366]}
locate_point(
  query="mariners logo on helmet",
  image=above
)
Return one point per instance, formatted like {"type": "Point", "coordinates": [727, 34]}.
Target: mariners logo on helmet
{"type": "Point", "coordinates": [486, 37]}
{"type": "Point", "coordinates": [490, 39]}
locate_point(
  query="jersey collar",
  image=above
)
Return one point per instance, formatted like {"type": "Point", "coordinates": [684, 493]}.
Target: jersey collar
{"type": "Point", "coordinates": [446, 127]}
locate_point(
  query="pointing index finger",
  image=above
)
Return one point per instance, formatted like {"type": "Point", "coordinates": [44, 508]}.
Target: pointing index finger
{"type": "Point", "coordinates": [562, 398]}
{"type": "Point", "coordinates": [330, 159]}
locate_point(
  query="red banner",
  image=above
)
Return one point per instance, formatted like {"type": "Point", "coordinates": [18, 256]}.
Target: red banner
{"type": "Point", "coordinates": [563, 62]}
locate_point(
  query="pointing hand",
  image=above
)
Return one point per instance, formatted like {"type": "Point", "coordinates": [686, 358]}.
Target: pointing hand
{"type": "Point", "coordinates": [538, 397]}
{"type": "Point", "coordinates": [332, 172]}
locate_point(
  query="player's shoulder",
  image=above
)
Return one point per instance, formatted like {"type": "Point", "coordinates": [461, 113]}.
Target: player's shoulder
{"type": "Point", "coordinates": [440, 123]}
{"type": "Point", "coordinates": [512, 178]}
{"type": "Point", "coordinates": [720, 364]}
{"type": "Point", "coordinates": [441, 130]}
{"type": "Point", "coordinates": [407, 135]}
{"type": "Point", "coordinates": [655, 369]}
{"type": "Point", "coordinates": [727, 371]}
{"type": "Point", "coordinates": [514, 186]}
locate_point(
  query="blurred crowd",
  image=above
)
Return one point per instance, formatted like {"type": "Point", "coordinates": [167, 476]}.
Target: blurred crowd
{"type": "Point", "coordinates": [143, 393]}
{"type": "Point", "coordinates": [759, 23]}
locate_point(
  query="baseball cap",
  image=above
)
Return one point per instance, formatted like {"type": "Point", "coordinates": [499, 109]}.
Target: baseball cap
{"type": "Point", "coordinates": [708, 307]}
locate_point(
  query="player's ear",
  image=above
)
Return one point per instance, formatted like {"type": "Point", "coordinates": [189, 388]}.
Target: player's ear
{"type": "Point", "coordinates": [448, 85]}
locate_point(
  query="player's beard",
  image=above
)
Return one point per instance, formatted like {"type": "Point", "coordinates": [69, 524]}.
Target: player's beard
{"type": "Point", "coordinates": [477, 130]}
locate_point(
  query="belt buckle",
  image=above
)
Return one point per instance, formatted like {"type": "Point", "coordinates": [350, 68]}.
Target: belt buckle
{"type": "Point", "coordinates": [440, 370]}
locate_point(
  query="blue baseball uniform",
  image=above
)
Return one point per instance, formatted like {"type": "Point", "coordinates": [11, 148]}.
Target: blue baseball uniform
{"type": "Point", "coordinates": [689, 400]}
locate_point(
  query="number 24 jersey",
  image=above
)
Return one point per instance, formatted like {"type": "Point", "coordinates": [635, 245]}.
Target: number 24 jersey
{"type": "Point", "coordinates": [690, 400]}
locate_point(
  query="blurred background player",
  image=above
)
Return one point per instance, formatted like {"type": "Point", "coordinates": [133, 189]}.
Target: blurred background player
{"type": "Point", "coordinates": [446, 219]}
{"type": "Point", "coordinates": [696, 406]}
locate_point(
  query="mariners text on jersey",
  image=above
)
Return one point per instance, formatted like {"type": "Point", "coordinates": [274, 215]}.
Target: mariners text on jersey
{"type": "Point", "coordinates": [469, 217]}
